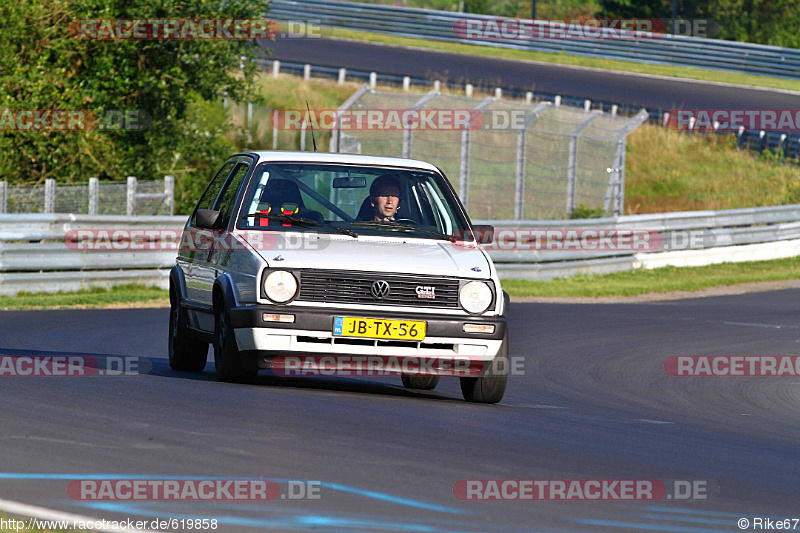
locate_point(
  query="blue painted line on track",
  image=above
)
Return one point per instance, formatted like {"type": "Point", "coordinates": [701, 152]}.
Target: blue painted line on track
{"type": "Point", "coordinates": [371, 494]}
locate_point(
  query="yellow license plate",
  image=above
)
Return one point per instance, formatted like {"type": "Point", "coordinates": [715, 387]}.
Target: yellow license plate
{"type": "Point", "coordinates": [378, 328]}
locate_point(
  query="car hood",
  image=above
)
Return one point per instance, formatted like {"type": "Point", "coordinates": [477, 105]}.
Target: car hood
{"type": "Point", "coordinates": [373, 254]}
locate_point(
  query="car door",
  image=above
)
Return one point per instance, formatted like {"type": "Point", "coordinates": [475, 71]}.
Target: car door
{"type": "Point", "coordinates": [196, 242]}
{"type": "Point", "coordinates": [223, 247]}
{"type": "Point", "coordinates": [206, 265]}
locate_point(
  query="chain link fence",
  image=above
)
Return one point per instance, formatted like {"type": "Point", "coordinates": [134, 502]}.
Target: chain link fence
{"type": "Point", "coordinates": [513, 161]}
{"type": "Point", "coordinates": [130, 197]}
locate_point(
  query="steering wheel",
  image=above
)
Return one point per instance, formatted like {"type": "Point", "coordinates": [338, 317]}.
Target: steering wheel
{"type": "Point", "coordinates": [407, 221]}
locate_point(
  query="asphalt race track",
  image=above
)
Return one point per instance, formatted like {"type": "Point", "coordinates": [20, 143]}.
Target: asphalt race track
{"type": "Point", "coordinates": [594, 403]}
{"type": "Point", "coordinates": [612, 87]}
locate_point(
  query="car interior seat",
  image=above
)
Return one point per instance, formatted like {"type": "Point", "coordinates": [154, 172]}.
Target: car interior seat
{"type": "Point", "coordinates": [278, 192]}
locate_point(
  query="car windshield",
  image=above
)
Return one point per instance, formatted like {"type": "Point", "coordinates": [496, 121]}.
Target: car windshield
{"type": "Point", "coordinates": [364, 200]}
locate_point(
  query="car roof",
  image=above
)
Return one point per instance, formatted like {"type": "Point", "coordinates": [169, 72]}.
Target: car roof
{"type": "Point", "coordinates": [352, 159]}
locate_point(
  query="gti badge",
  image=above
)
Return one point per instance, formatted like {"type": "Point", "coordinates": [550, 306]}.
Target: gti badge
{"type": "Point", "coordinates": [426, 292]}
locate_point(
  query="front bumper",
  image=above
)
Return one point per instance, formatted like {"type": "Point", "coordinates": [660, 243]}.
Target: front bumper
{"type": "Point", "coordinates": [312, 334]}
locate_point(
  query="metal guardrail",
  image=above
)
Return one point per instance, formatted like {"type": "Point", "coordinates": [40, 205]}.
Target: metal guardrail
{"type": "Point", "coordinates": [691, 231]}
{"type": "Point", "coordinates": [42, 253]}
{"type": "Point", "coordinates": [439, 25]}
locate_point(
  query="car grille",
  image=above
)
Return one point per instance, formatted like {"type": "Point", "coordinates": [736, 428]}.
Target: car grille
{"type": "Point", "coordinates": [356, 288]}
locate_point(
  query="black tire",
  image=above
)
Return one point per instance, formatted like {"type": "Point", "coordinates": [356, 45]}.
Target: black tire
{"type": "Point", "coordinates": [186, 352]}
{"type": "Point", "coordinates": [490, 387]}
{"type": "Point", "coordinates": [420, 382]}
{"type": "Point", "coordinates": [227, 358]}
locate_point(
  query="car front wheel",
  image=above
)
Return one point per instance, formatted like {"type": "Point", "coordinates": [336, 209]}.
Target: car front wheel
{"type": "Point", "coordinates": [227, 358]}
{"type": "Point", "coordinates": [491, 387]}
{"type": "Point", "coordinates": [185, 352]}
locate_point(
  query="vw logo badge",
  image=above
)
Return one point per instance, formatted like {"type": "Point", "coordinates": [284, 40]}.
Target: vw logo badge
{"type": "Point", "coordinates": [379, 289]}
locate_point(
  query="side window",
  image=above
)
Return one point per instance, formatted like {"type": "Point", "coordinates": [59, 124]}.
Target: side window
{"type": "Point", "coordinates": [227, 199]}
{"type": "Point", "coordinates": [211, 193]}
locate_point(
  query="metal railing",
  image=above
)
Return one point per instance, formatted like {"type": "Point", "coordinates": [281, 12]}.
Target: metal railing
{"type": "Point", "coordinates": [48, 253]}
{"type": "Point", "coordinates": [131, 197]}
{"type": "Point", "coordinates": [63, 252]}
{"type": "Point", "coordinates": [439, 25]}
{"type": "Point", "coordinates": [525, 249]}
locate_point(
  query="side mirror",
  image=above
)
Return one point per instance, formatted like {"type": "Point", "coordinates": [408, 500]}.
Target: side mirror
{"type": "Point", "coordinates": [206, 218]}
{"type": "Point", "coordinates": [484, 234]}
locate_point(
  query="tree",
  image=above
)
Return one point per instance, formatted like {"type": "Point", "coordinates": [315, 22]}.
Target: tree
{"type": "Point", "coordinates": [44, 66]}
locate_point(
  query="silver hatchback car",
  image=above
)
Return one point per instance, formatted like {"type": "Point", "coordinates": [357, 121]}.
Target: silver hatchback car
{"type": "Point", "coordinates": [336, 261]}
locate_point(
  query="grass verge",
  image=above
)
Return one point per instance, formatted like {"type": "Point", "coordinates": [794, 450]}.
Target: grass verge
{"type": "Point", "coordinates": [565, 59]}
{"type": "Point", "coordinates": [658, 280]}
{"type": "Point", "coordinates": [667, 170]}
{"type": "Point", "coordinates": [639, 282]}
{"type": "Point", "coordinates": [95, 297]}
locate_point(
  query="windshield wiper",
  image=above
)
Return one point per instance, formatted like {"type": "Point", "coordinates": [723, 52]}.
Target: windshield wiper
{"type": "Point", "coordinates": [397, 225]}
{"type": "Point", "coordinates": [301, 220]}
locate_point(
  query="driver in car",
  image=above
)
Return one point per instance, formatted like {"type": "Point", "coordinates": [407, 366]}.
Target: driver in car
{"type": "Point", "coordinates": [384, 194]}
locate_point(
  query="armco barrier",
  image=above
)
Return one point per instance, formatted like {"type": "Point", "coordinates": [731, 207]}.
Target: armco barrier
{"type": "Point", "coordinates": [35, 255]}
{"type": "Point", "coordinates": [439, 25]}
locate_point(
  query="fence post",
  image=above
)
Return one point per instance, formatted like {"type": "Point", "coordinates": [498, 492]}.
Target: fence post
{"type": "Point", "coordinates": [306, 72]}
{"type": "Point", "coordinates": [342, 75]}
{"type": "Point", "coordinates": [406, 83]}
{"type": "Point", "coordinates": [463, 171]}
{"type": "Point", "coordinates": [572, 164]}
{"type": "Point", "coordinates": [276, 68]}
{"type": "Point", "coordinates": [303, 126]}
{"type": "Point", "coordinates": [169, 193]}
{"type": "Point", "coordinates": [407, 138]}
{"type": "Point", "coordinates": [94, 193]}
{"type": "Point", "coordinates": [466, 144]}
{"type": "Point", "coordinates": [3, 197]}
{"type": "Point", "coordinates": [373, 79]}
{"type": "Point", "coordinates": [49, 195]}
{"type": "Point", "coordinates": [333, 145]}
{"type": "Point", "coordinates": [275, 119]}
{"type": "Point", "coordinates": [619, 204]}
{"type": "Point", "coordinates": [519, 189]}
{"type": "Point", "coordinates": [131, 204]}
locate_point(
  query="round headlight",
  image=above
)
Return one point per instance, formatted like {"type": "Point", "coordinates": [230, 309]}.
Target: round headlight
{"type": "Point", "coordinates": [475, 297]}
{"type": "Point", "coordinates": [280, 286]}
